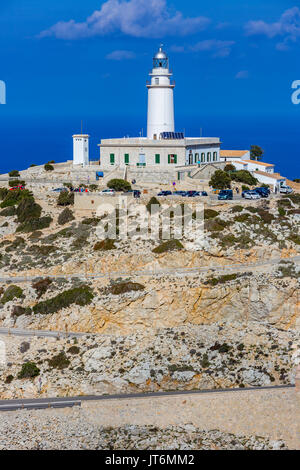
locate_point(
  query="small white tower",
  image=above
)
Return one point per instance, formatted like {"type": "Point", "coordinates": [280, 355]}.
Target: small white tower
{"type": "Point", "coordinates": [81, 149]}
{"type": "Point", "coordinates": [160, 97]}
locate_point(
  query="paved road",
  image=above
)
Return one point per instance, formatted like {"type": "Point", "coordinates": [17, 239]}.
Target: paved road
{"type": "Point", "coordinates": [42, 333]}
{"type": "Point", "coordinates": [66, 402]}
{"type": "Point", "coordinates": [180, 271]}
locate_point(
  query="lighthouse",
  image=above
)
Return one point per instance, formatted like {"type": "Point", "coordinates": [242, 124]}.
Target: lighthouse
{"type": "Point", "coordinates": [160, 97]}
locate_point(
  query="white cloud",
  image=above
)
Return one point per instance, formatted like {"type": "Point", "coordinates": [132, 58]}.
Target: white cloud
{"type": "Point", "coordinates": [138, 18]}
{"type": "Point", "coordinates": [242, 74]}
{"type": "Point", "coordinates": [121, 55]}
{"type": "Point", "coordinates": [288, 26]}
{"type": "Point", "coordinates": [218, 47]}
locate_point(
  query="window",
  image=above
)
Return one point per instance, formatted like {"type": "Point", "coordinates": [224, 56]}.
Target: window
{"type": "Point", "coordinates": [215, 156]}
{"type": "Point", "coordinates": [202, 157]}
{"type": "Point", "coordinates": [112, 158]}
{"type": "Point", "coordinates": [157, 81]}
{"type": "Point", "coordinates": [126, 158]}
{"type": "Point", "coordinates": [157, 159]}
{"type": "Point", "coordinates": [172, 159]}
{"type": "Point", "coordinates": [196, 157]}
{"type": "Point", "coordinates": [209, 157]}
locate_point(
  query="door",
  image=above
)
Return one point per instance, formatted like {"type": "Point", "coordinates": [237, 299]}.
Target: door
{"type": "Point", "coordinates": [142, 159]}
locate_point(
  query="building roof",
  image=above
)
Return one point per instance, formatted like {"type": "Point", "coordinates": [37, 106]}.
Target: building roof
{"type": "Point", "coordinates": [259, 163]}
{"type": "Point", "coordinates": [233, 153]}
{"type": "Point", "coordinates": [270, 175]}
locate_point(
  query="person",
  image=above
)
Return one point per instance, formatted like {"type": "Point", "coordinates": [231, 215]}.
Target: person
{"type": "Point", "coordinates": [276, 189]}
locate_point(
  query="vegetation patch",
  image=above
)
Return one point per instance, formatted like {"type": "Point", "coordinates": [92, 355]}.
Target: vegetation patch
{"type": "Point", "coordinates": [8, 212]}
{"type": "Point", "coordinates": [123, 287]}
{"type": "Point", "coordinates": [236, 209]}
{"type": "Point", "coordinates": [35, 224]}
{"type": "Point", "coordinates": [82, 296]}
{"type": "Point", "coordinates": [105, 245]}
{"type": "Point", "coordinates": [11, 293]}
{"type": "Point", "coordinates": [48, 167]}
{"type": "Point", "coordinates": [65, 199]}
{"type": "Point", "coordinates": [119, 185]}
{"type": "Point", "coordinates": [170, 245]}
{"type": "Point", "coordinates": [60, 361]}
{"type": "Point", "coordinates": [74, 350]}
{"type": "Point", "coordinates": [43, 250]}
{"type": "Point", "coordinates": [18, 311]}
{"type": "Point", "coordinates": [65, 216]}
{"type": "Point", "coordinates": [210, 214]}
{"type": "Point", "coordinates": [29, 370]}
{"type": "Point", "coordinates": [42, 286]}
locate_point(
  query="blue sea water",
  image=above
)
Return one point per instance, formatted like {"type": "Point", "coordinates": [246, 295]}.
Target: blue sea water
{"type": "Point", "coordinates": [24, 141]}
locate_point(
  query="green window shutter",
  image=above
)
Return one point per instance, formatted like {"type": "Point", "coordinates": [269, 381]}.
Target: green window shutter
{"type": "Point", "coordinates": [112, 158]}
{"type": "Point", "coordinates": [175, 159]}
{"type": "Point", "coordinates": [157, 159]}
{"type": "Point", "coordinates": [126, 158]}
{"type": "Point", "coordinates": [169, 159]}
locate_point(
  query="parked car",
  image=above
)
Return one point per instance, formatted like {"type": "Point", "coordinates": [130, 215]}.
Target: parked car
{"type": "Point", "coordinates": [225, 195]}
{"type": "Point", "coordinates": [203, 193]}
{"type": "Point", "coordinates": [286, 190]}
{"type": "Point", "coordinates": [165, 193]}
{"type": "Point", "coordinates": [245, 192]}
{"type": "Point", "coordinates": [252, 195]}
{"type": "Point", "coordinates": [262, 192]}
{"type": "Point", "coordinates": [193, 193]}
{"type": "Point", "coordinates": [14, 188]}
{"type": "Point", "coordinates": [179, 193]}
{"type": "Point", "coordinates": [59, 190]}
{"type": "Point", "coordinates": [108, 192]}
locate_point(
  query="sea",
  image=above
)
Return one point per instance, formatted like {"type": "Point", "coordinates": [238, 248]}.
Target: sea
{"type": "Point", "coordinates": [37, 140]}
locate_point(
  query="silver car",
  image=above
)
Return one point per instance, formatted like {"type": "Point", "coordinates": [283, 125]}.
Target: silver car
{"type": "Point", "coordinates": [252, 195]}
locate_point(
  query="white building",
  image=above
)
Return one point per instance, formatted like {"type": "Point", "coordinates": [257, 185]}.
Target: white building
{"type": "Point", "coordinates": [81, 149]}
{"type": "Point", "coordinates": [163, 147]}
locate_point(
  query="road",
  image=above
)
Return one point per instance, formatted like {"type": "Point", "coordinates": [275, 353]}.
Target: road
{"type": "Point", "coordinates": [180, 271]}
{"type": "Point", "coordinates": [67, 402]}
{"type": "Point", "coordinates": [42, 333]}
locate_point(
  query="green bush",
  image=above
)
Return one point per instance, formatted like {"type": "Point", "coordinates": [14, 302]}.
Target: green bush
{"type": "Point", "coordinates": [105, 245]}
{"type": "Point", "coordinates": [65, 199]}
{"type": "Point", "coordinates": [210, 214]}
{"type": "Point", "coordinates": [74, 350]}
{"type": "Point", "coordinates": [93, 187]}
{"type": "Point", "coordinates": [242, 218]}
{"type": "Point", "coordinates": [8, 212]}
{"type": "Point", "coordinates": [281, 211]}
{"type": "Point", "coordinates": [78, 295]}
{"type": "Point", "coordinates": [214, 281]}
{"type": "Point", "coordinates": [215, 225]}
{"type": "Point", "coordinates": [29, 370]}
{"type": "Point", "coordinates": [123, 287]}
{"type": "Point", "coordinates": [14, 197]}
{"type": "Point", "coordinates": [41, 250]}
{"type": "Point", "coordinates": [13, 183]}
{"type": "Point", "coordinates": [119, 185]}
{"type": "Point", "coordinates": [65, 216]}
{"type": "Point", "coordinates": [18, 311]}
{"type": "Point", "coordinates": [229, 167]}
{"type": "Point", "coordinates": [60, 361]}
{"type": "Point", "coordinates": [244, 176]}
{"type": "Point", "coordinates": [11, 293]}
{"type": "Point", "coordinates": [153, 202]}
{"type": "Point", "coordinates": [170, 245]}
{"type": "Point", "coordinates": [266, 216]}
{"type": "Point", "coordinates": [28, 209]}
{"type": "Point", "coordinates": [220, 180]}
{"type": "Point", "coordinates": [14, 174]}
{"type": "Point", "coordinates": [35, 224]}
{"type": "Point", "coordinates": [235, 209]}
{"type": "Point", "coordinates": [94, 221]}
{"type": "Point", "coordinates": [48, 167]}
{"type": "Point", "coordinates": [9, 379]}
{"type": "Point", "coordinates": [3, 193]}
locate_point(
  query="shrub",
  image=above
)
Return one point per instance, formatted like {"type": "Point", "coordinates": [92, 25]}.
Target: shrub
{"type": "Point", "coordinates": [28, 371]}
{"type": "Point", "coordinates": [65, 216]}
{"type": "Point", "coordinates": [242, 218]}
{"type": "Point", "coordinates": [78, 295]}
{"type": "Point", "coordinates": [170, 245]}
{"type": "Point", "coordinates": [60, 361]}
{"type": "Point", "coordinates": [28, 209]}
{"type": "Point", "coordinates": [35, 224]}
{"type": "Point", "coordinates": [14, 197]}
{"type": "Point", "coordinates": [13, 183]}
{"type": "Point", "coordinates": [94, 221]}
{"type": "Point", "coordinates": [244, 176]}
{"type": "Point", "coordinates": [48, 167]}
{"type": "Point", "coordinates": [123, 287]}
{"type": "Point", "coordinates": [12, 292]}
{"type": "Point", "coordinates": [52, 161]}
{"type": "Point", "coordinates": [265, 216]}
{"type": "Point", "coordinates": [65, 199]}
{"type": "Point", "coordinates": [220, 180]}
{"type": "Point", "coordinates": [74, 350]}
{"type": "Point", "coordinates": [245, 188]}
{"type": "Point", "coordinates": [235, 209]}
{"type": "Point", "coordinates": [8, 212]}
{"type": "Point", "coordinates": [215, 225]}
{"type": "Point", "coordinates": [210, 214]}
{"type": "Point", "coordinates": [119, 185]}
{"type": "Point", "coordinates": [18, 311]}
{"type": "Point", "coordinates": [153, 202]}
{"type": "Point", "coordinates": [281, 211]}
{"type": "Point", "coordinates": [9, 379]}
{"type": "Point", "coordinates": [93, 187]}
{"type": "Point", "coordinates": [229, 167]}
{"type": "Point", "coordinates": [41, 286]}
{"type": "Point", "coordinates": [32, 165]}
{"type": "Point", "coordinates": [14, 174]}
{"type": "Point", "coordinates": [105, 245]}
{"type": "Point", "coordinates": [3, 193]}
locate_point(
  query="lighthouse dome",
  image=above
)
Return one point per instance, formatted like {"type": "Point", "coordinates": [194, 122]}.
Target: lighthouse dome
{"type": "Point", "coordinates": [160, 60]}
{"type": "Point", "coordinates": [160, 54]}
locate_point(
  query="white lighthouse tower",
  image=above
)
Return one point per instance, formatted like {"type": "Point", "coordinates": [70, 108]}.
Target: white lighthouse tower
{"type": "Point", "coordinates": [160, 97]}
{"type": "Point", "coordinates": [81, 149]}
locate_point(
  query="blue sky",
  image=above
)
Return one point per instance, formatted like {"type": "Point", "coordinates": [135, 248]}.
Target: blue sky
{"type": "Point", "coordinates": [92, 58]}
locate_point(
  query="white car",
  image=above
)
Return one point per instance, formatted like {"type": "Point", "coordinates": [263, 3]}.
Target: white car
{"type": "Point", "coordinates": [108, 192]}
{"type": "Point", "coordinates": [286, 190]}
{"type": "Point", "coordinates": [251, 195]}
